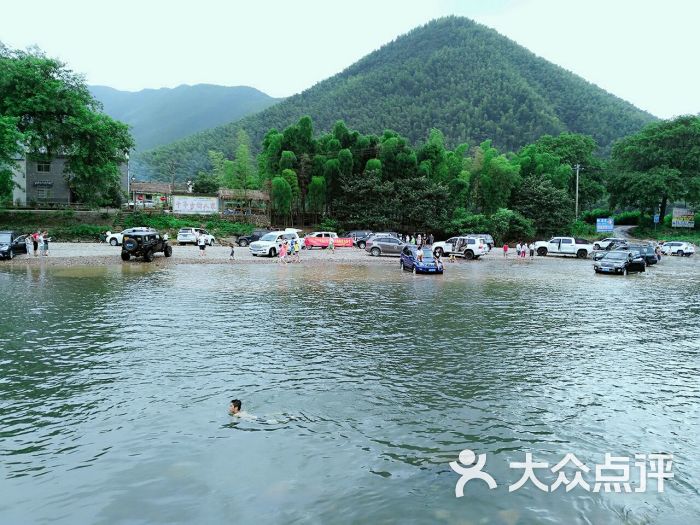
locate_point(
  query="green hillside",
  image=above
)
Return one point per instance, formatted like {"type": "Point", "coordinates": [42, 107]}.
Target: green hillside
{"type": "Point", "coordinates": [161, 116]}
{"type": "Point", "coordinates": [452, 74]}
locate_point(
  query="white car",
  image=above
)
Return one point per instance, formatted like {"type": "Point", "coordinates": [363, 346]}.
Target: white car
{"type": "Point", "coordinates": [191, 235]}
{"type": "Point", "coordinates": [604, 243]}
{"type": "Point", "coordinates": [467, 247]}
{"type": "Point", "coordinates": [580, 248]}
{"type": "Point", "coordinates": [269, 244]}
{"type": "Point", "coordinates": [678, 248]}
{"type": "Point", "coordinates": [115, 239]}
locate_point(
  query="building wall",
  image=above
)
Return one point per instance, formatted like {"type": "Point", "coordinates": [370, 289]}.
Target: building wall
{"type": "Point", "coordinates": [19, 177]}
{"type": "Point", "coordinates": [48, 186]}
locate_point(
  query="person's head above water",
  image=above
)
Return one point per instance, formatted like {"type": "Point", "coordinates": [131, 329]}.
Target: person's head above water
{"type": "Point", "coordinates": [235, 407]}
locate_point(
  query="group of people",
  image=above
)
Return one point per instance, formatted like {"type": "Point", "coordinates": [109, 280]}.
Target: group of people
{"type": "Point", "coordinates": [289, 251]}
{"type": "Point", "coordinates": [38, 243]}
{"type": "Point", "coordinates": [420, 239]}
{"type": "Point", "coordinates": [521, 249]}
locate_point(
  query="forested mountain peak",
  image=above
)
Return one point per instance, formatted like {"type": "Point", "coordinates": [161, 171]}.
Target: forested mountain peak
{"type": "Point", "coordinates": [452, 74]}
{"type": "Point", "coordinates": [160, 116]}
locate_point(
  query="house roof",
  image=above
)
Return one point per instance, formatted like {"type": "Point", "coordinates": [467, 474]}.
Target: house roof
{"type": "Point", "coordinates": [151, 187]}
{"type": "Point", "coordinates": [250, 195]}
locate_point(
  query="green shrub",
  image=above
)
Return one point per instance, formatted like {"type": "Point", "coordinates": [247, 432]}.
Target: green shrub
{"type": "Point", "coordinates": [328, 224]}
{"type": "Point", "coordinates": [590, 216]}
{"type": "Point", "coordinates": [508, 225]}
{"type": "Point", "coordinates": [628, 218]}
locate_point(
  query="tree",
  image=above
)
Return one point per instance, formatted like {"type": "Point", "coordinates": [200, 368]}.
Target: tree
{"type": "Point", "coordinates": [550, 209]}
{"type": "Point", "coordinates": [316, 197]}
{"type": "Point", "coordinates": [243, 171]}
{"type": "Point", "coordinates": [57, 115]}
{"type": "Point", "coordinates": [10, 147]}
{"type": "Point", "coordinates": [281, 196]}
{"type": "Point", "coordinates": [493, 178]}
{"type": "Point", "coordinates": [206, 183]}
{"type": "Point", "coordinates": [665, 157]}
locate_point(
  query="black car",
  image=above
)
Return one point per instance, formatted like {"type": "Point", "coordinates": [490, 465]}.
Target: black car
{"type": "Point", "coordinates": [359, 237]}
{"type": "Point", "coordinates": [620, 262]}
{"type": "Point", "coordinates": [646, 251]}
{"type": "Point", "coordinates": [11, 244]}
{"type": "Point", "coordinates": [145, 244]}
{"type": "Point", "coordinates": [245, 240]}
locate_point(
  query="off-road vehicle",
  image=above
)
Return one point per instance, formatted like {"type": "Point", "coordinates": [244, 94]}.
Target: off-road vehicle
{"type": "Point", "coordinates": [145, 244]}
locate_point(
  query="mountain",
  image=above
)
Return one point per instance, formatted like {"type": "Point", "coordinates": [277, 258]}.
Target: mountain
{"type": "Point", "coordinates": [452, 74]}
{"type": "Point", "coordinates": [160, 116]}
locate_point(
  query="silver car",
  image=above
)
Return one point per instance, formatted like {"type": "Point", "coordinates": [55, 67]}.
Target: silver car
{"type": "Point", "coordinates": [384, 245]}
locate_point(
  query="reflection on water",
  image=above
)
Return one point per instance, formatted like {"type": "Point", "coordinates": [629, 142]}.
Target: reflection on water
{"type": "Point", "coordinates": [361, 384]}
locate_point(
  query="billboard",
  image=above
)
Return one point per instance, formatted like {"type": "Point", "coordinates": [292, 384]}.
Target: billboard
{"type": "Point", "coordinates": [188, 205]}
{"type": "Point", "coordinates": [604, 224]}
{"type": "Point", "coordinates": [683, 218]}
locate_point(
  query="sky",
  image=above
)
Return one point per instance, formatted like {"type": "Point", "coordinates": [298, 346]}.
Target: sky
{"type": "Point", "coordinates": [642, 51]}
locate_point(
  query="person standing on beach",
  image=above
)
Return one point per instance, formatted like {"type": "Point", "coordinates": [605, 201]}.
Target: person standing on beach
{"type": "Point", "coordinates": [233, 252]}
{"type": "Point", "coordinates": [532, 249]}
{"type": "Point", "coordinates": [35, 242]}
{"type": "Point", "coordinates": [419, 241]}
{"type": "Point", "coordinates": [202, 243]}
{"type": "Point", "coordinates": [505, 250]}
{"type": "Point", "coordinates": [331, 244]}
{"type": "Point", "coordinates": [517, 250]}
{"type": "Point", "coordinates": [297, 250]}
{"type": "Point", "coordinates": [431, 239]}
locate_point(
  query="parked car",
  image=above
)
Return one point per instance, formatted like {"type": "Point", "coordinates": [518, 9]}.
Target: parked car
{"type": "Point", "coordinates": [384, 245]}
{"type": "Point", "coordinates": [487, 238]}
{"type": "Point", "coordinates": [11, 243]}
{"type": "Point", "coordinates": [358, 236]}
{"type": "Point", "coordinates": [115, 239]}
{"type": "Point", "coordinates": [145, 244]}
{"type": "Point", "coordinates": [363, 243]}
{"type": "Point", "coordinates": [678, 248]}
{"type": "Point", "coordinates": [581, 248]}
{"type": "Point", "coordinates": [245, 240]}
{"type": "Point", "coordinates": [269, 244]}
{"type": "Point", "coordinates": [467, 247]}
{"type": "Point", "coordinates": [620, 262]}
{"type": "Point", "coordinates": [191, 235]}
{"type": "Point", "coordinates": [604, 243]}
{"type": "Point", "coordinates": [317, 235]}
{"type": "Point", "coordinates": [645, 250]}
{"type": "Point", "coordinates": [425, 264]}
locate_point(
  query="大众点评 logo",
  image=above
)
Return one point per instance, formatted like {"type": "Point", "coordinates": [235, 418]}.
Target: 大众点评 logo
{"type": "Point", "coordinates": [613, 475]}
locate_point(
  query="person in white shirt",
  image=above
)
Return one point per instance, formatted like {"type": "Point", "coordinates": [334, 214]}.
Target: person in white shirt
{"type": "Point", "coordinates": [532, 249]}
{"type": "Point", "coordinates": [202, 243]}
{"type": "Point", "coordinates": [518, 248]}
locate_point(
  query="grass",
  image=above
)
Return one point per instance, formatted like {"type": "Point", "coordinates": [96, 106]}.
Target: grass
{"type": "Point", "coordinates": [666, 233]}
{"type": "Point", "coordinates": [170, 224]}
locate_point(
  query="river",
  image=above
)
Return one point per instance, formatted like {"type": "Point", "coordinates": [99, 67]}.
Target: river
{"type": "Point", "coordinates": [360, 385]}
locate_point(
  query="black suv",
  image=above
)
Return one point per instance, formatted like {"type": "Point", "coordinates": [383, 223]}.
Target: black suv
{"type": "Point", "coordinates": [11, 244]}
{"type": "Point", "coordinates": [145, 244]}
{"type": "Point", "coordinates": [245, 240]}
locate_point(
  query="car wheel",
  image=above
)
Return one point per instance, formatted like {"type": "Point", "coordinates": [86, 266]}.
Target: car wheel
{"type": "Point", "coordinates": [401, 265]}
{"type": "Point", "coordinates": [439, 251]}
{"type": "Point", "coordinates": [211, 242]}
{"type": "Point", "coordinates": [126, 256]}
{"type": "Point", "coordinates": [11, 254]}
{"type": "Point", "coordinates": [626, 271]}
{"type": "Point", "coordinates": [376, 252]}
{"type": "Point", "coordinates": [469, 255]}
{"type": "Point", "coordinates": [168, 252]}
{"type": "Point", "coordinates": [361, 245]}
{"type": "Point", "coordinates": [273, 252]}
{"type": "Point", "coordinates": [596, 246]}
{"type": "Point", "coordinates": [680, 253]}
{"type": "Point", "coordinates": [582, 254]}
{"type": "Point", "coordinates": [113, 241]}
{"type": "Point", "coordinates": [242, 243]}
{"type": "Point", "coordinates": [596, 270]}
{"type": "Point", "coordinates": [148, 256]}
{"type": "Point", "coordinates": [541, 251]}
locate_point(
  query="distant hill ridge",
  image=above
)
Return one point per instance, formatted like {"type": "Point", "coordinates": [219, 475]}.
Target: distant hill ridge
{"type": "Point", "coordinates": [161, 116]}
{"type": "Point", "coordinates": [452, 74]}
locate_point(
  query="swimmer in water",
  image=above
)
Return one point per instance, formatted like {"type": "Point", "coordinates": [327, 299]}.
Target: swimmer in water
{"type": "Point", "coordinates": [235, 408]}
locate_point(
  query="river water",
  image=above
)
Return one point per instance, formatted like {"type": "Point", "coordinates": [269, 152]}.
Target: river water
{"type": "Point", "coordinates": [360, 384]}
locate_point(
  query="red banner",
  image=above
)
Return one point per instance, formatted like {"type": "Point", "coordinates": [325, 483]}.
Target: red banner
{"type": "Point", "coordinates": [322, 242]}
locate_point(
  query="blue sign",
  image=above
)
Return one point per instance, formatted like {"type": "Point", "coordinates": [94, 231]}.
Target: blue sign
{"type": "Point", "coordinates": [605, 224]}
{"type": "Point", "coordinates": [656, 219]}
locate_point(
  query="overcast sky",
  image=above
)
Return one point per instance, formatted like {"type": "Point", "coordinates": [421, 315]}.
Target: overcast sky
{"type": "Point", "coordinates": [643, 51]}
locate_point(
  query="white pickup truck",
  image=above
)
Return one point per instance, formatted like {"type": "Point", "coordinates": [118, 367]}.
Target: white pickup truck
{"type": "Point", "coordinates": [581, 248]}
{"type": "Point", "coordinates": [467, 247]}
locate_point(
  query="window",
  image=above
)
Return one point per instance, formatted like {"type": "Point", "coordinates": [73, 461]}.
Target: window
{"type": "Point", "coordinates": [43, 167]}
{"type": "Point", "coordinates": [566, 241]}
{"type": "Point", "coordinates": [471, 241]}
{"type": "Point", "coordinates": [43, 193]}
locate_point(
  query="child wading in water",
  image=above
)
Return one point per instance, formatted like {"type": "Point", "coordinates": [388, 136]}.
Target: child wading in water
{"type": "Point", "coordinates": [233, 255]}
